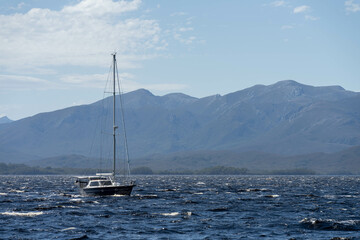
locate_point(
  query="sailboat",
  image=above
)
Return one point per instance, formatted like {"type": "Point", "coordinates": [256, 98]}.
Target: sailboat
{"type": "Point", "coordinates": [106, 183]}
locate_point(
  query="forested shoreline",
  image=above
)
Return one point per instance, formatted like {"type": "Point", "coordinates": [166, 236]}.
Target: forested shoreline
{"type": "Point", "coordinates": [22, 169]}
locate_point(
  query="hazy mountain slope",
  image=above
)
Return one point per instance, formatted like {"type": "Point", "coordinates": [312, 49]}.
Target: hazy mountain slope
{"type": "Point", "coordinates": [267, 117]}
{"type": "Point", "coordinates": [47, 134]}
{"type": "Point", "coordinates": [284, 118]}
{"type": "Point", "coordinates": [343, 162]}
{"type": "Point", "coordinates": [67, 161]}
{"type": "Point", "coordinates": [12, 156]}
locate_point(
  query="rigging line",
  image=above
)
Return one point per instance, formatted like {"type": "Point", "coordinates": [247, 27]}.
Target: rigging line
{"type": "Point", "coordinates": [103, 122]}
{"type": "Point", "coordinates": [98, 125]}
{"type": "Point", "coordinates": [126, 154]}
{"type": "Point", "coordinates": [123, 123]}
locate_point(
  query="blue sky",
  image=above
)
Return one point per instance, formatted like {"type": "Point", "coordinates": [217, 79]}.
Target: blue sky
{"type": "Point", "coordinates": [56, 54]}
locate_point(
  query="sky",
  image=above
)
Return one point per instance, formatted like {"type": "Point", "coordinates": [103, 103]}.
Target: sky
{"type": "Point", "coordinates": [57, 54]}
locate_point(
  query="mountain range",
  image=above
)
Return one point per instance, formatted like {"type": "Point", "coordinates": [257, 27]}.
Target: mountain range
{"type": "Point", "coordinates": [283, 119]}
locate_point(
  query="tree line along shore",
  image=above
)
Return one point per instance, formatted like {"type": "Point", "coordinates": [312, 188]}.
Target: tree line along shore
{"type": "Point", "coordinates": [22, 169]}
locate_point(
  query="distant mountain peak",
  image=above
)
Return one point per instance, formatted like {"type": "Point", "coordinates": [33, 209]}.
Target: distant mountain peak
{"type": "Point", "coordinates": [5, 119]}
{"type": "Point", "coordinates": [142, 91]}
{"type": "Point", "coordinates": [293, 83]}
{"type": "Point", "coordinates": [288, 83]}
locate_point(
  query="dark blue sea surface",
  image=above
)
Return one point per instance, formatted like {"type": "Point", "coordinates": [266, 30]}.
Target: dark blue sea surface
{"type": "Point", "coordinates": [184, 207]}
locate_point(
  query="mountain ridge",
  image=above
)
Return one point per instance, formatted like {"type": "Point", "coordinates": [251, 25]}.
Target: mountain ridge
{"type": "Point", "coordinates": [287, 118]}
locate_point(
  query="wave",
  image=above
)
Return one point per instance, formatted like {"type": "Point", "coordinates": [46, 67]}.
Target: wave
{"type": "Point", "coordinates": [170, 214]}
{"type": "Point", "coordinates": [151, 196]}
{"type": "Point", "coordinates": [272, 196]}
{"type": "Point", "coordinates": [119, 195]}
{"type": "Point", "coordinates": [76, 200]}
{"type": "Point", "coordinates": [173, 214]}
{"type": "Point", "coordinates": [330, 224]}
{"type": "Point", "coordinates": [16, 191]}
{"type": "Point", "coordinates": [254, 190]}
{"type": "Point", "coordinates": [68, 229]}
{"type": "Point", "coordinates": [22, 214]}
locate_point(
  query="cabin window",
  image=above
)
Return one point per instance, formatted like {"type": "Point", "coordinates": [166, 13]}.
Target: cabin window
{"type": "Point", "coordinates": [106, 183]}
{"type": "Point", "coordinates": [94, 184]}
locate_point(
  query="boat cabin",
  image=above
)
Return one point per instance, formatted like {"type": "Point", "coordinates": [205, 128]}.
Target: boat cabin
{"type": "Point", "coordinates": [98, 180]}
{"type": "Point", "coordinates": [99, 183]}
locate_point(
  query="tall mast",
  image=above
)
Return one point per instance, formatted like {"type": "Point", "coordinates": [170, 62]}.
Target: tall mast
{"type": "Point", "coordinates": [114, 125]}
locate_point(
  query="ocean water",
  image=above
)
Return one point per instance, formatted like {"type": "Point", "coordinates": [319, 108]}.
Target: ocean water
{"type": "Point", "coordinates": [184, 207]}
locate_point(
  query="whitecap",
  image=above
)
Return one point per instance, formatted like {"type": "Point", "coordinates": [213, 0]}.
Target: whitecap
{"type": "Point", "coordinates": [273, 196]}
{"type": "Point", "coordinates": [200, 183]}
{"type": "Point", "coordinates": [77, 200]}
{"type": "Point", "coordinates": [330, 224]}
{"type": "Point", "coordinates": [68, 229]}
{"type": "Point", "coordinates": [16, 191]}
{"type": "Point", "coordinates": [198, 193]}
{"type": "Point", "coordinates": [74, 196]}
{"type": "Point", "coordinates": [22, 214]}
{"type": "Point", "coordinates": [3, 194]}
{"type": "Point", "coordinates": [170, 214]}
{"type": "Point", "coordinates": [118, 195]}
{"type": "Point", "coordinates": [330, 196]}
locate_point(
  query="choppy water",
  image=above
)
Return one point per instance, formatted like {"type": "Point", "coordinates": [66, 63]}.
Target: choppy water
{"type": "Point", "coordinates": [183, 207]}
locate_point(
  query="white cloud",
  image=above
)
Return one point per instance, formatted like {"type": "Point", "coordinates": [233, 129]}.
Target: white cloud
{"type": "Point", "coordinates": [181, 33]}
{"type": "Point", "coordinates": [101, 7]}
{"type": "Point", "coordinates": [83, 34]}
{"type": "Point", "coordinates": [311, 18]}
{"type": "Point", "coordinates": [19, 6]}
{"type": "Point", "coordinates": [278, 3]}
{"type": "Point", "coordinates": [18, 82]}
{"type": "Point", "coordinates": [352, 7]}
{"type": "Point", "coordinates": [189, 20]}
{"type": "Point", "coordinates": [301, 9]}
{"type": "Point", "coordinates": [43, 42]}
{"type": "Point", "coordinates": [184, 39]}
